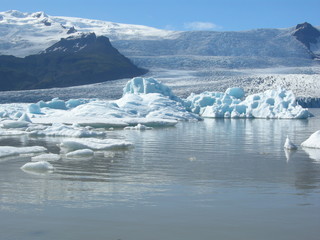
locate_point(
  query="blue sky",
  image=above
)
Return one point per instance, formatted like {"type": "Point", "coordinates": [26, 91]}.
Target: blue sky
{"type": "Point", "coordinates": [220, 15]}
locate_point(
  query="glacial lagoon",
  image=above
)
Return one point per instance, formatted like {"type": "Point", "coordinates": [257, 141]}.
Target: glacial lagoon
{"type": "Point", "coordinates": [213, 179]}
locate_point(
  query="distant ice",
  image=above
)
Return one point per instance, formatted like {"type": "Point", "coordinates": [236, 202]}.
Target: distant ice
{"type": "Point", "coordinates": [313, 141]}
{"type": "Point", "coordinates": [272, 104]}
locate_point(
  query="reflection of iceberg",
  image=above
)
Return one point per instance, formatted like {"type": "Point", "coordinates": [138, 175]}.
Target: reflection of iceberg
{"type": "Point", "coordinates": [314, 153]}
{"type": "Point", "coordinates": [288, 154]}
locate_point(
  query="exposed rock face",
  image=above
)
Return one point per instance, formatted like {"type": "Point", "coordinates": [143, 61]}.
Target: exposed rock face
{"type": "Point", "coordinates": [307, 35]}
{"type": "Point", "coordinates": [72, 61]}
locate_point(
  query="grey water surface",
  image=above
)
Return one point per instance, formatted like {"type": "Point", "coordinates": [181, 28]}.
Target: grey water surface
{"type": "Point", "coordinates": [215, 179]}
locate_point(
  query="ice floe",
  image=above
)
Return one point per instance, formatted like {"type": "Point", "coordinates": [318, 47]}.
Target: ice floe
{"type": "Point", "coordinates": [313, 141]}
{"type": "Point", "coordinates": [80, 153]}
{"type": "Point", "coordinates": [58, 129]}
{"type": "Point", "coordinates": [7, 151]}
{"type": "Point", "coordinates": [94, 144]}
{"type": "Point", "coordinates": [46, 157]}
{"type": "Point", "coordinates": [40, 166]}
{"type": "Point", "coordinates": [139, 127]}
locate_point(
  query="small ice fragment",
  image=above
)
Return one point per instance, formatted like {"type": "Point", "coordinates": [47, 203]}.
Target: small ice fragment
{"type": "Point", "coordinates": [80, 153]}
{"type": "Point", "coordinates": [41, 166]}
{"type": "Point", "coordinates": [289, 145]}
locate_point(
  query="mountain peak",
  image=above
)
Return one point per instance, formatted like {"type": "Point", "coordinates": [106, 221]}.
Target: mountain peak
{"type": "Point", "coordinates": [306, 34]}
{"type": "Point", "coordinates": [74, 43]}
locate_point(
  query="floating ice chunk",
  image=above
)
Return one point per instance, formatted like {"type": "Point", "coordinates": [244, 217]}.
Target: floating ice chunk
{"type": "Point", "coordinates": [55, 103]}
{"type": "Point", "coordinates": [34, 109]}
{"type": "Point", "coordinates": [6, 151]}
{"type": "Point", "coordinates": [138, 127]}
{"type": "Point", "coordinates": [58, 129]}
{"type": "Point", "coordinates": [80, 153]}
{"type": "Point", "coordinates": [46, 157]}
{"type": "Point", "coordinates": [313, 141]}
{"type": "Point", "coordinates": [14, 124]}
{"type": "Point", "coordinates": [289, 145]}
{"type": "Point", "coordinates": [25, 117]}
{"type": "Point", "coordinates": [94, 144]}
{"type": "Point", "coordinates": [140, 85]}
{"type": "Point", "coordinates": [41, 166]}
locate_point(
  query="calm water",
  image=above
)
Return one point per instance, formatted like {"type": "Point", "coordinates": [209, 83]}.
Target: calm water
{"type": "Point", "coordinates": [216, 179]}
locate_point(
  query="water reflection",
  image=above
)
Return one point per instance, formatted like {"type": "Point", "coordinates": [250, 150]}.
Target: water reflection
{"type": "Point", "coordinates": [313, 153]}
{"type": "Point", "coordinates": [203, 157]}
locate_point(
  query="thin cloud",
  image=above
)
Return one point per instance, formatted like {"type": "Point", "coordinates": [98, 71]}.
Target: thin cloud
{"type": "Point", "coordinates": [201, 26]}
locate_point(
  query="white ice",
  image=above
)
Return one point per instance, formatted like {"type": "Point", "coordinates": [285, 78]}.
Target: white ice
{"type": "Point", "coordinates": [40, 166]}
{"type": "Point", "coordinates": [313, 141]}
{"type": "Point", "coordinates": [58, 129]}
{"type": "Point", "coordinates": [6, 151]}
{"type": "Point", "coordinates": [80, 153]}
{"type": "Point", "coordinates": [94, 144]}
{"type": "Point", "coordinates": [277, 103]}
{"type": "Point", "coordinates": [139, 127]}
{"type": "Point", "coordinates": [46, 157]}
{"type": "Point", "coordinates": [289, 145]}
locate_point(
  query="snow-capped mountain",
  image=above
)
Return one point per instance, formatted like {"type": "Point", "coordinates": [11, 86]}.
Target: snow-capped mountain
{"type": "Point", "coordinates": [191, 61]}
{"type": "Point", "coordinates": [22, 34]}
{"type": "Point", "coordinates": [76, 60]}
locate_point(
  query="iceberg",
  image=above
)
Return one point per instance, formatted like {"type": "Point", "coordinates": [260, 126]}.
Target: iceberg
{"type": "Point", "coordinates": [94, 144]}
{"type": "Point", "coordinates": [271, 104]}
{"type": "Point", "coordinates": [313, 141]}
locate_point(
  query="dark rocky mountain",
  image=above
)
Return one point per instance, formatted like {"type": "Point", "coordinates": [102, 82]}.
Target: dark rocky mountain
{"type": "Point", "coordinates": [72, 61]}
{"type": "Point", "coordinates": [307, 34]}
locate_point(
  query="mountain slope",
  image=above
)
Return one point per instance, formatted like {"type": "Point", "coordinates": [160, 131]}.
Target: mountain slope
{"type": "Point", "coordinates": [29, 33]}
{"type": "Point", "coordinates": [72, 61]}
